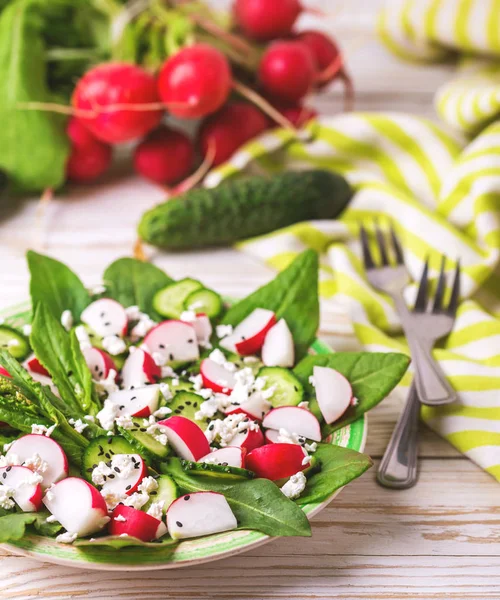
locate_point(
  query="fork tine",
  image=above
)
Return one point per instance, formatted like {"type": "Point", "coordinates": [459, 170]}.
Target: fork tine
{"type": "Point", "coordinates": [421, 301]}
{"type": "Point", "coordinates": [438, 299]}
{"type": "Point", "coordinates": [455, 292]}
{"type": "Point", "coordinates": [398, 250]}
{"type": "Point", "coordinates": [367, 255]}
{"type": "Point", "coordinates": [381, 245]}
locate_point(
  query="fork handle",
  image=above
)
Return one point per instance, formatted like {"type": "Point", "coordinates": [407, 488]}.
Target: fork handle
{"type": "Point", "coordinates": [398, 468]}
{"type": "Point", "coordinates": [432, 386]}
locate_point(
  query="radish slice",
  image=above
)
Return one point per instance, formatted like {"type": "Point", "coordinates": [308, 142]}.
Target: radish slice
{"type": "Point", "coordinates": [27, 490]}
{"type": "Point", "coordinates": [276, 461]}
{"type": "Point", "coordinates": [49, 451]}
{"type": "Point", "coordinates": [186, 438]}
{"type": "Point", "coordinates": [272, 436]}
{"type": "Point", "coordinates": [256, 407]}
{"type": "Point", "coordinates": [99, 363]}
{"type": "Point", "coordinates": [333, 392]}
{"type": "Point", "coordinates": [77, 505]}
{"type": "Point", "coordinates": [139, 370]}
{"type": "Point", "coordinates": [141, 402]}
{"type": "Point", "coordinates": [216, 377]}
{"type": "Point", "coordinates": [175, 341]}
{"type": "Point", "coordinates": [129, 521]}
{"type": "Point", "coordinates": [123, 476]}
{"type": "Point", "coordinates": [278, 349]}
{"type": "Point", "coordinates": [249, 440]}
{"type": "Point", "coordinates": [201, 513]}
{"type": "Point", "coordinates": [231, 456]}
{"type": "Point", "coordinates": [203, 328]}
{"type": "Point", "coordinates": [33, 365]}
{"type": "Point", "coordinates": [294, 420]}
{"type": "Point", "coordinates": [4, 372]}
{"type": "Point", "coordinates": [106, 317]}
{"type": "Point", "coordinates": [248, 337]}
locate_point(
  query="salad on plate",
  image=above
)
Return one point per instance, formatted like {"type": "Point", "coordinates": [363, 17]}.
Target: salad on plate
{"type": "Point", "coordinates": [149, 411]}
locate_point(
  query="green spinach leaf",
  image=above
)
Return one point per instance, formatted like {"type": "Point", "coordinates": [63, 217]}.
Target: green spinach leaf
{"type": "Point", "coordinates": [55, 284]}
{"type": "Point", "coordinates": [293, 296]}
{"type": "Point", "coordinates": [133, 282]}
{"type": "Point", "coordinates": [372, 375]}
{"type": "Point", "coordinates": [117, 542]}
{"type": "Point", "coordinates": [13, 525]}
{"type": "Point", "coordinates": [257, 503]}
{"type": "Point", "coordinates": [33, 144]}
{"type": "Point", "coordinates": [60, 354]}
{"type": "Point", "coordinates": [338, 466]}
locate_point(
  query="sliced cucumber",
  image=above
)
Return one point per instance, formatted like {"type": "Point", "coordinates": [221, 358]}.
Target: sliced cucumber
{"type": "Point", "coordinates": [102, 449]}
{"type": "Point", "coordinates": [145, 443]}
{"type": "Point", "coordinates": [212, 470]}
{"type": "Point", "coordinates": [205, 301]}
{"type": "Point", "coordinates": [96, 341]}
{"type": "Point", "coordinates": [169, 301]}
{"type": "Point", "coordinates": [179, 385]}
{"type": "Point", "coordinates": [186, 404]}
{"type": "Point", "coordinates": [288, 389]}
{"type": "Point", "coordinates": [255, 364]}
{"type": "Point", "coordinates": [167, 492]}
{"type": "Point", "coordinates": [14, 341]}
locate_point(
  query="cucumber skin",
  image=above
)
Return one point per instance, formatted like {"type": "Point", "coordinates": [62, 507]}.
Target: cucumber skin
{"type": "Point", "coordinates": [244, 208]}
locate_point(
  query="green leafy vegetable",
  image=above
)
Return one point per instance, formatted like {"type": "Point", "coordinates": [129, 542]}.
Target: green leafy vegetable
{"type": "Point", "coordinates": [257, 503]}
{"type": "Point", "coordinates": [293, 296]}
{"type": "Point", "coordinates": [338, 466]}
{"type": "Point", "coordinates": [13, 525]}
{"type": "Point", "coordinates": [55, 284]}
{"type": "Point", "coordinates": [60, 354]}
{"type": "Point", "coordinates": [33, 144]}
{"type": "Point", "coordinates": [372, 375]}
{"type": "Point", "coordinates": [115, 541]}
{"type": "Point", "coordinates": [133, 282]}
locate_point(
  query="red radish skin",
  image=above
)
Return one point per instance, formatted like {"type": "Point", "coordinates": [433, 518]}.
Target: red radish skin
{"type": "Point", "coordinates": [115, 95]}
{"type": "Point", "coordinates": [99, 363]}
{"type": "Point", "coordinates": [27, 496]}
{"type": "Point", "coordinates": [195, 82]}
{"type": "Point", "coordinates": [267, 20]}
{"type": "Point", "coordinates": [276, 461]}
{"type": "Point", "coordinates": [211, 373]}
{"type": "Point", "coordinates": [249, 335]}
{"type": "Point", "coordinates": [135, 523]}
{"type": "Point", "coordinates": [287, 71]}
{"type": "Point", "coordinates": [34, 365]}
{"type": "Point", "coordinates": [298, 115]}
{"type": "Point", "coordinates": [4, 372]}
{"type": "Point", "coordinates": [253, 438]}
{"type": "Point", "coordinates": [139, 370]}
{"type": "Point", "coordinates": [89, 158]}
{"type": "Point", "coordinates": [165, 157]}
{"type": "Point", "coordinates": [229, 129]}
{"type": "Point", "coordinates": [185, 437]}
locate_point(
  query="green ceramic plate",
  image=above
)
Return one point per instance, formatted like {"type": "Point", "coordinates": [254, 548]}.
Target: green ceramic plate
{"type": "Point", "coordinates": [183, 554]}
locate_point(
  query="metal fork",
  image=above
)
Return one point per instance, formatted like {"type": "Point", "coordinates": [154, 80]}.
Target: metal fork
{"type": "Point", "coordinates": [423, 328]}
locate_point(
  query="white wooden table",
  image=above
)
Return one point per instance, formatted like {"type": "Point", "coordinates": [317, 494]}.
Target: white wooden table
{"type": "Point", "coordinates": [439, 540]}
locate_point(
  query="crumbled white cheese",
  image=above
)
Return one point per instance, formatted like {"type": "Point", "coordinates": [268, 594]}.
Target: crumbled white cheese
{"type": "Point", "coordinates": [162, 412]}
{"type": "Point", "coordinates": [175, 381]}
{"type": "Point", "coordinates": [197, 381]}
{"type": "Point", "coordinates": [250, 360]}
{"type": "Point", "coordinates": [306, 460]}
{"type": "Point", "coordinates": [108, 385]}
{"type": "Point", "coordinates": [124, 535]}
{"type": "Point", "coordinates": [165, 391]}
{"type": "Point", "coordinates": [12, 343]}
{"type": "Point", "coordinates": [33, 479]}
{"type": "Point", "coordinates": [98, 289]}
{"type": "Point", "coordinates": [67, 320]}
{"type": "Point", "coordinates": [312, 447]}
{"type": "Point", "coordinates": [36, 463]}
{"type": "Point", "coordinates": [160, 360]}
{"type": "Point", "coordinates": [112, 499]}
{"type": "Point", "coordinates": [78, 425]}
{"type": "Point", "coordinates": [269, 393]}
{"type": "Point", "coordinates": [125, 422]}
{"type": "Point", "coordinates": [49, 493]}
{"type": "Point", "coordinates": [108, 414]}
{"type": "Point", "coordinates": [260, 383]}
{"type": "Point", "coordinates": [304, 405]}
{"type": "Point", "coordinates": [89, 418]}
{"type": "Point", "coordinates": [312, 380]}
{"type": "Point", "coordinates": [66, 537]}
{"type": "Point", "coordinates": [205, 393]}
{"type": "Point", "coordinates": [121, 466]}
{"type": "Point", "coordinates": [148, 485]}
{"type": "Point", "coordinates": [120, 519]}
{"type": "Point", "coordinates": [142, 327]}
{"type": "Point", "coordinates": [6, 494]}
{"type": "Point", "coordinates": [83, 337]}
{"type": "Point", "coordinates": [354, 401]}
{"type": "Point", "coordinates": [295, 485]}
{"type": "Point", "coordinates": [136, 500]}
{"type": "Point", "coordinates": [10, 460]}
{"type": "Point", "coordinates": [223, 331]}
{"type": "Point", "coordinates": [42, 430]}
{"type": "Point", "coordinates": [209, 408]}
{"type": "Point", "coordinates": [51, 519]}
{"type": "Point", "coordinates": [288, 437]}
{"type": "Point", "coordinates": [114, 345]}
{"type": "Point", "coordinates": [166, 371]}
{"type": "Point", "coordinates": [224, 430]}
{"type": "Point", "coordinates": [157, 431]}
{"type": "Point", "coordinates": [189, 316]}
{"type": "Point", "coordinates": [156, 510]}
{"type": "Point", "coordinates": [27, 330]}
{"type": "Point", "coordinates": [6, 447]}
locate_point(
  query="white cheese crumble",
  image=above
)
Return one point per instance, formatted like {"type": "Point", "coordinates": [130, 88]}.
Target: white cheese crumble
{"type": "Point", "coordinates": [67, 320]}
{"type": "Point", "coordinates": [108, 415]}
{"type": "Point", "coordinates": [156, 510]}
{"type": "Point", "coordinates": [27, 330]}
{"type": "Point", "coordinates": [136, 500]}
{"type": "Point", "coordinates": [250, 360]}
{"type": "Point", "coordinates": [49, 493]}
{"type": "Point", "coordinates": [108, 385]}
{"type": "Point", "coordinates": [166, 371]}
{"type": "Point", "coordinates": [166, 392]}
{"type": "Point", "coordinates": [66, 537]}
{"type": "Point", "coordinates": [51, 519]}
{"type": "Point", "coordinates": [295, 485]}
{"type": "Point", "coordinates": [354, 401]}
{"type": "Point", "coordinates": [306, 460]}
{"type": "Point", "coordinates": [114, 345]}
{"type": "Point", "coordinates": [89, 418]}
{"type": "Point", "coordinates": [36, 463]}
{"type": "Point", "coordinates": [162, 412]}
{"type": "Point", "coordinates": [6, 447]}
{"type": "Point", "coordinates": [78, 425]}
{"type": "Point", "coordinates": [224, 430]}
{"type": "Point", "coordinates": [125, 422]}
{"type": "Point", "coordinates": [142, 327]}
{"type": "Point", "coordinates": [209, 408]}
{"type": "Point", "coordinates": [223, 331]}
{"type": "Point", "coordinates": [160, 361]}
{"type": "Point", "coordinates": [98, 289]}
{"type": "Point", "coordinates": [157, 431]}
{"type": "Point", "coordinates": [120, 519]}
{"type": "Point", "coordinates": [83, 337]}
{"type": "Point", "coordinates": [288, 437]}
{"type": "Point", "coordinates": [10, 460]}
{"type": "Point", "coordinates": [312, 380]}
{"type": "Point", "coordinates": [189, 316]}
{"type": "Point", "coordinates": [148, 485]}
{"type": "Point", "coordinates": [42, 430]}
{"type": "Point", "coordinates": [312, 447]}
{"type": "Point", "coordinates": [6, 494]}
{"type": "Point", "coordinates": [304, 405]}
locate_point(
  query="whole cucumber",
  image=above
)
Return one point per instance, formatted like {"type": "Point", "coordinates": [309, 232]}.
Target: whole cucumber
{"type": "Point", "coordinates": [244, 208]}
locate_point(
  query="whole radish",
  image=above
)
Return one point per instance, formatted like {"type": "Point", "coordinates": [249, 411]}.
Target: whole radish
{"type": "Point", "coordinates": [116, 97]}
{"type": "Point", "coordinates": [89, 157]}
{"type": "Point", "coordinates": [230, 128]}
{"type": "Point", "coordinates": [287, 71]}
{"type": "Point", "coordinates": [267, 19]}
{"type": "Point", "coordinates": [165, 156]}
{"type": "Point", "coordinates": [325, 53]}
{"type": "Point", "coordinates": [195, 82]}
{"type": "Point", "coordinates": [297, 114]}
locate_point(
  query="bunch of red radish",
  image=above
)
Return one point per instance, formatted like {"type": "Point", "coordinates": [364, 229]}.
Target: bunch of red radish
{"type": "Point", "coordinates": [115, 103]}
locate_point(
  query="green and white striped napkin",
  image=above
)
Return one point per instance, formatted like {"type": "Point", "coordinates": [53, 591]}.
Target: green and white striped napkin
{"type": "Point", "coordinates": [467, 31]}
{"type": "Point", "coordinates": [443, 196]}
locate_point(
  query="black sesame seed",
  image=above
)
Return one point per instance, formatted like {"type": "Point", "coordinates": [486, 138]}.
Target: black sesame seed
{"type": "Point", "coordinates": [90, 470]}
{"type": "Point", "coordinates": [195, 404]}
{"type": "Point", "coordinates": [9, 468]}
{"type": "Point", "coordinates": [128, 488]}
{"type": "Point", "coordinates": [94, 466]}
{"type": "Point", "coordinates": [96, 368]}
{"type": "Point", "coordinates": [244, 431]}
{"type": "Point", "coordinates": [178, 523]}
{"type": "Point", "coordinates": [116, 469]}
{"type": "Point", "coordinates": [162, 346]}
{"type": "Point", "coordinates": [107, 455]}
{"type": "Point", "coordinates": [4, 475]}
{"type": "Point", "coordinates": [225, 464]}
{"type": "Point", "coordinates": [181, 406]}
{"type": "Point", "coordinates": [107, 324]}
{"type": "Point", "coordinates": [171, 356]}
{"type": "Point", "coordinates": [133, 398]}
{"type": "Point", "coordinates": [177, 411]}
{"type": "Point", "coordinates": [101, 449]}
{"type": "Point", "coordinates": [101, 374]}
{"type": "Point", "coordinates": [108, 464]}
{"type": "Point", "coordinates": [111, 476]}
{"type": "Point", "coordinates": [153, 493]}
{"type": "Point", "coordinates": [188, 402]}
{"type": "Point", "coordinates": [190, 341]}
{"type": "Point", "coordinates": [136, 465]}
{"type": "Point", "coordinates": [70, 373]}
{"type": "Point", "coordinates": [143, 429]}
{"type": "Point", "coordinates": [112, 452]}
{"type": "Point", "coordinates": [110, 440]}
{"type": "Point", "coordinates": [295, 388]}
{"type": "Point", "coordinates": [121, 407]}
{"type": "Point", "coordinates": [211, 427]}
{"type": "Point", "coordinates": [187, 497]}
